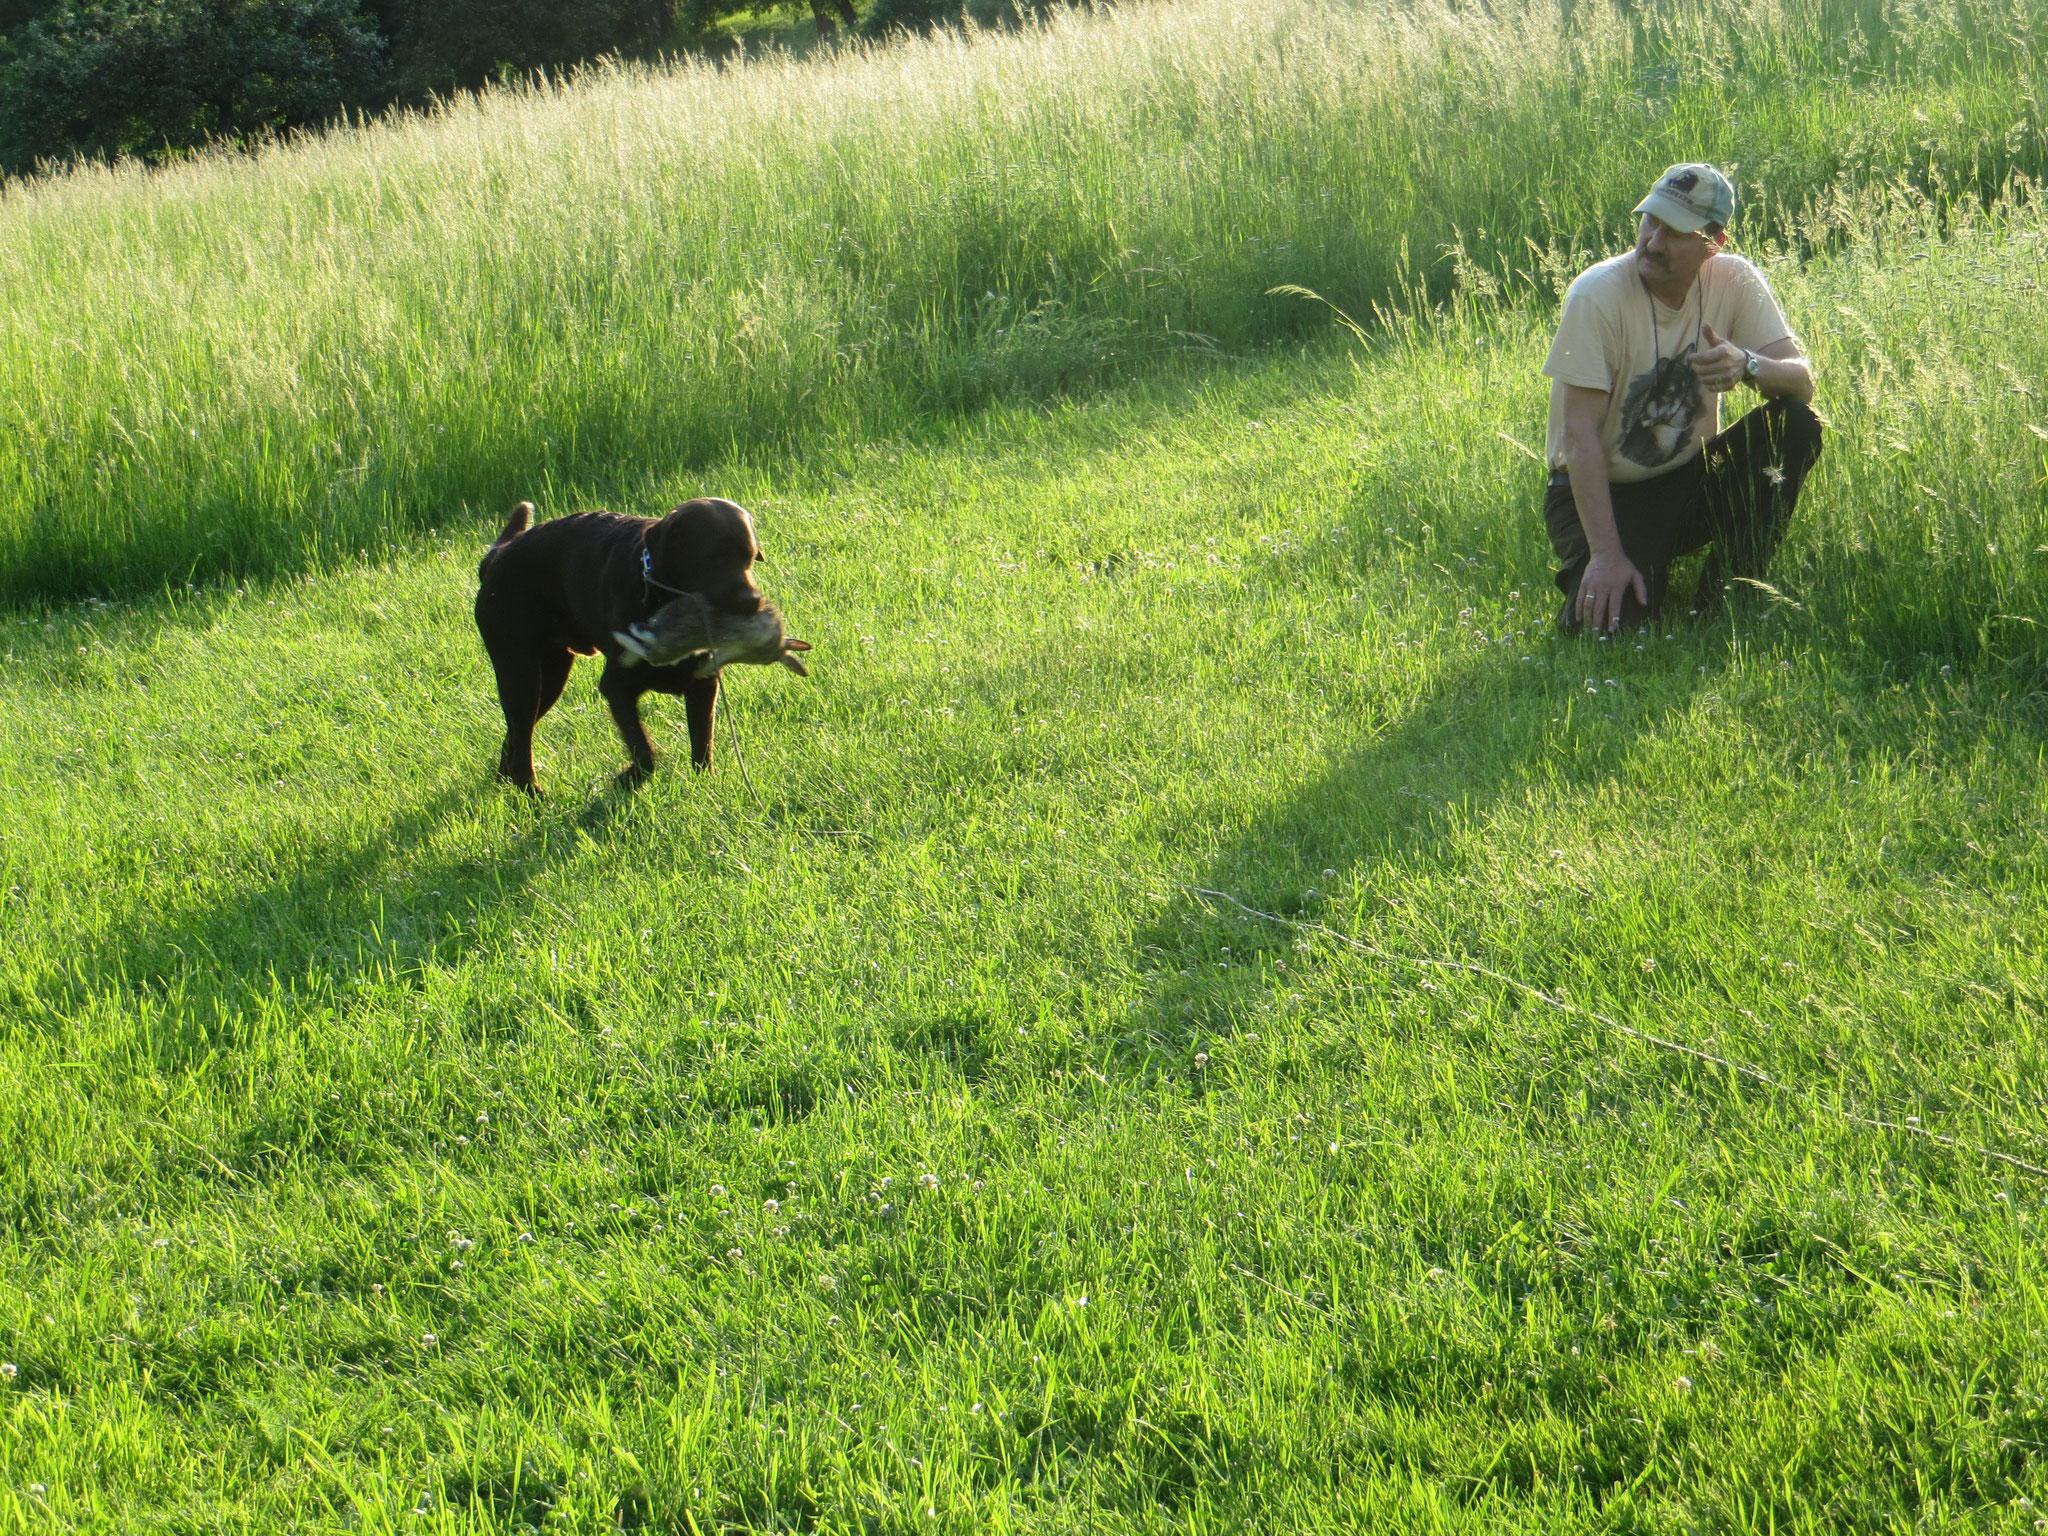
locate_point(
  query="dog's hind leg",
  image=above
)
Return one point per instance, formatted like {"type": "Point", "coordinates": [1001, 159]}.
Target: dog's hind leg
{"type": "Point", "coordinates": [554, 677]}
{"type": "Point", "coordinates": [700, 707]}
{"type": "Point", "coordinates": [529, 682]}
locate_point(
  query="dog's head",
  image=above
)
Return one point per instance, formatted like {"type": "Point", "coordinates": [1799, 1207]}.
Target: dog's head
{"type": "Point", "coordinates": [707, 546]}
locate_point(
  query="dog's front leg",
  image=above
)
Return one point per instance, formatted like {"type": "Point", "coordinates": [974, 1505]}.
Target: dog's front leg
{"type": "Point", "coordinates": [622, 690]}
{"type": "Point", "coordinates": [700, 706]}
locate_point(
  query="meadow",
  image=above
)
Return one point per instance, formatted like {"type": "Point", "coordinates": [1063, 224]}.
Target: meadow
{"type": "Point", "coordinates": [1201, 1014]}
{"type": "Point", "coordinates": [274, 365]}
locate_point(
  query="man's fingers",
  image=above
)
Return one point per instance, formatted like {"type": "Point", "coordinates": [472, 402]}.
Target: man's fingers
{"type": "Point", "coordinates": [1642, 588]}
{"type": "Point", "coordinates": [1708, 332]}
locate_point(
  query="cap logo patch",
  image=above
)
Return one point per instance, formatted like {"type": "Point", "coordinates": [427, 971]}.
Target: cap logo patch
{"type": "Point", "coordinates": [1684, 183]}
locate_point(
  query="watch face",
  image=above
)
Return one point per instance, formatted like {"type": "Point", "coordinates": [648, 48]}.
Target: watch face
{"type": "Point", "coordinates": [1751, 367]}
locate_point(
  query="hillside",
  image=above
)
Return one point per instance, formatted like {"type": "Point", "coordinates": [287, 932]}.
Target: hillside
{"type": "Point", "coordinates": [245, 366]}
{"type": "Point", "coordinates": [1201, 1014]}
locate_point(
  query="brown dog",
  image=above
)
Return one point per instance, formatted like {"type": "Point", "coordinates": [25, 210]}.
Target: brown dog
{"type": "Point", "coordinates": [548, 594]}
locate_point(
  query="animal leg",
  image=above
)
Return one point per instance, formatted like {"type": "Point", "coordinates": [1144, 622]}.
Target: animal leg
{"type": "Point", "coordinates": [700, 705]}
{"type": "Point", "coordinates": [528, 685]}
{"type": "Point", "coordinates": [622, 692]}
{"type": "Point", "coordinates": [554, 677]}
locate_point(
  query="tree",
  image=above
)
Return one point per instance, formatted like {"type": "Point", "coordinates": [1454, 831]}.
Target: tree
{"type": "Point", "coordinates": [152, 77]}
{"type": "Point", "coordinates": [924, 15]}
{"type": "Point", "coordinates": [442, 45]}
{"type": "Point", "coordinates": [702, 15]}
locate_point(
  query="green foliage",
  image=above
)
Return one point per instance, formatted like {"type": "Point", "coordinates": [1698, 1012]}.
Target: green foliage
{"type": "Point", "coordinates": [892, 16]}
{"type": "Point", "coordinates": [702, 19]}
{"type": "Point", "coordinates": [442, 45]}
{"type": "Point", "coordinates": [15, 14]}
{"type": "Point", "coordinates": [147, 77]}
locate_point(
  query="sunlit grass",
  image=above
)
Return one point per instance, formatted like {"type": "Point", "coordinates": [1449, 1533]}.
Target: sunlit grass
{"type": "Point", "coordinates": [888, 1137]}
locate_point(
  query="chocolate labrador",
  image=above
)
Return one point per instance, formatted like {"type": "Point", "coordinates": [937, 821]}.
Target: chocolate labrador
{"type": "Point", "coordinates": [572, 585]}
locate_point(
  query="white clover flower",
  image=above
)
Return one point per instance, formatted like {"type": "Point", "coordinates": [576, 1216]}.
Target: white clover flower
{"type": "Point", "coordinates": [1201, 1060]}
{"type": "Point", "coordinates": [928, 1180]}
{"type": "Point", "coordinates": [524, 1237]}
{"type": "Point", "coordinates": [771, 1206]}
{"type": "Point", "coordinates": [734, 1254]}
{"type": "Point", "coordinates": [827, 1283]}
{"type": "Point", "coordinates": [9, 1370]}
{"type": "Point", "coordinates": [429, 1340]}
{"type": "Point", "coordinates": [718, 1191]}
{"type": "Point", "coordinates": [1683, 1384]}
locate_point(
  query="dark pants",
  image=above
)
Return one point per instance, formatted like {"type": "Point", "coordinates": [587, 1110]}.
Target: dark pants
{"type": "Point", "coordinates": [1735, 495]}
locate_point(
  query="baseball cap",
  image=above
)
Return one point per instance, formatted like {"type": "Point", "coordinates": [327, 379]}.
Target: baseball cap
{"type": "Point", "coordinates": [1690, 197]}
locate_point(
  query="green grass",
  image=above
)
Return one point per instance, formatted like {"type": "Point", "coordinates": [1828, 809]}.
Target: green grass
{"type": "Point", "coordinates": [1234, 1226]}
{"type": "Point", "coordinates": [264, 366]}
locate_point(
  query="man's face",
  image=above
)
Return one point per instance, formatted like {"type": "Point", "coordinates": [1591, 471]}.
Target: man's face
{"type": "Point", "coordinates": [1667, 257]}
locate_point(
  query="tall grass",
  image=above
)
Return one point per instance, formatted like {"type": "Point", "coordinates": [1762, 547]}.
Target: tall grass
{"type": "Point", "coordinates": [238, 364]}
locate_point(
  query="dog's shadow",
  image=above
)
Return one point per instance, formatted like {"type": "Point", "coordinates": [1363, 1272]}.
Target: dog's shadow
{"type": "Point", "coordinates": [376, 907]}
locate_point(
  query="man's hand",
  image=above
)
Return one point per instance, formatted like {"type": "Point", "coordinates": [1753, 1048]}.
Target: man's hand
{"type": "Point", "coordinates": [1719, 364]}
{"type": "Point", "coordinates": [1606, 580]}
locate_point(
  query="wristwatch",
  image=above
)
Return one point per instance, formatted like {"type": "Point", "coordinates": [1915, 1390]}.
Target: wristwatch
{"type": "Point", "coordinates": [1752, 365]}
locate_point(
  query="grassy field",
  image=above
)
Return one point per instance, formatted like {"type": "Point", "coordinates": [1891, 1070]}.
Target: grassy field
{"type": "Point", "coordinates": [897, 1131]}
{"type": "Point", "coordinates": [241, 367]}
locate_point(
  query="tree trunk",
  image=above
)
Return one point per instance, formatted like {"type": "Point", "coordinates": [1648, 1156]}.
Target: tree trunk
{"type": "Point", "coordinates": [827, 28]}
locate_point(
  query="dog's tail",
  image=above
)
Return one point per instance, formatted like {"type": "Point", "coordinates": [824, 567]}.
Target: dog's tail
{"type": "Point", "coordinates": [520, 520]}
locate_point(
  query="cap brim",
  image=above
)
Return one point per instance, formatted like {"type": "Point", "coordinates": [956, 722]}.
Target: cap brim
{"type": "Point", "coordinates": [1672, 212]}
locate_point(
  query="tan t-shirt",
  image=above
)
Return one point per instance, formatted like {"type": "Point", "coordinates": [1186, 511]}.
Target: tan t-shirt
{"type": "Point", "coordinates": [1614, 335]}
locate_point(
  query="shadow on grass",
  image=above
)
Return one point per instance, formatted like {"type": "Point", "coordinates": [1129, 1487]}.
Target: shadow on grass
{"type": "Point", "coordinates": [373, 910]}
{"type": "Point", "coordinates": [1492, 728]}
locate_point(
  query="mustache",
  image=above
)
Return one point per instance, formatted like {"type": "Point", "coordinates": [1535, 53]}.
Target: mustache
{"type": "Point", "coordinates": [1657, 256]}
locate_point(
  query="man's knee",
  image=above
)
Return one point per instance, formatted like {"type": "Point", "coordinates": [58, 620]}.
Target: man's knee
{"type": "Point", "coordinates": [1795, 427]}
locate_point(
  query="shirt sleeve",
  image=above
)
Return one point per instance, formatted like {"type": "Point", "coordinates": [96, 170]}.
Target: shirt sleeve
{"type": "Point", "coordinates": [1757, 322]}
{"type": "Point", "coordinates": [1580, 354]}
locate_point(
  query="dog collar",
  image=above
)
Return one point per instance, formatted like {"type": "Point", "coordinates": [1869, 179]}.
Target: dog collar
{"type": "Point", "coordinates": [647, 572]}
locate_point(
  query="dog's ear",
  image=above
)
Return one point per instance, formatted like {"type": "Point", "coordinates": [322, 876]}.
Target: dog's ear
{"type": "Point", "coordinates": [661, 542]}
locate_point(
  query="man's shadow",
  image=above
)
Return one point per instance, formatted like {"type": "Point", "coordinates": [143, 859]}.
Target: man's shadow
{"type": "Point", "coordinates": [1492, 727]}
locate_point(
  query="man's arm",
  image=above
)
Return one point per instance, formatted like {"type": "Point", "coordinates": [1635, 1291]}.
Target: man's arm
{"type": "Point", "coordinates": [1609, 574]}
{"type": "Point", "coordinates": [1785, 372]}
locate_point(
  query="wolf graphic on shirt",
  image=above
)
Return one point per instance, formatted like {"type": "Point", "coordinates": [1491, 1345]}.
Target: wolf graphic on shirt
{"type": "Point", "coordinates": [1657, 412]}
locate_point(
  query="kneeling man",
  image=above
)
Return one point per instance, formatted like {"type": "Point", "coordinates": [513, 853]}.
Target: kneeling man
{"type": "Point", "coordinates": [1640, 472]}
